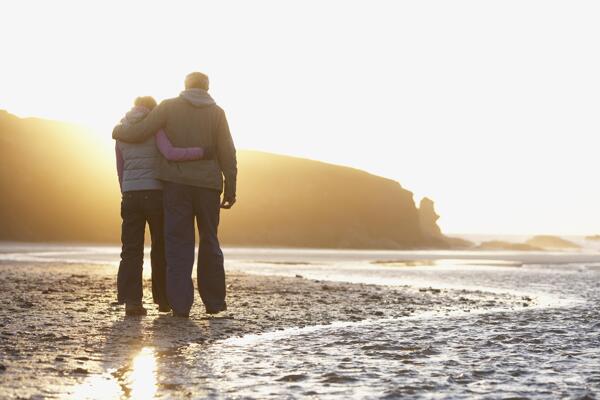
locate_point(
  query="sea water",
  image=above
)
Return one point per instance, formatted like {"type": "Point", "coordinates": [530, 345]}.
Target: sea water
{"type": "Point", "coordinates": [550, 350]}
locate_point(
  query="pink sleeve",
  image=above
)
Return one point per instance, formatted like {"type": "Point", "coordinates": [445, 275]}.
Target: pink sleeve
{"type": "Point", "coordinates": [120, 163]}
{"type": "Point", "coordinates": [172, 153]}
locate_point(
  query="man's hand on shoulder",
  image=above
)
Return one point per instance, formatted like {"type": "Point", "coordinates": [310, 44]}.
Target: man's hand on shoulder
{"type": "Point", "coordinates": [142, 130]}
{"type": "Point", "coordinates": [116, 130]}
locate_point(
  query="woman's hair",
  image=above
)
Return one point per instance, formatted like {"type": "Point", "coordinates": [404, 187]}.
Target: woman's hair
{"type": "Point", "coordinates": [145, 101]}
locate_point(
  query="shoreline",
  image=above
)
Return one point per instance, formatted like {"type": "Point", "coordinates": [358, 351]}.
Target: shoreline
{"type": "Point", "coordinates": [60, 323]}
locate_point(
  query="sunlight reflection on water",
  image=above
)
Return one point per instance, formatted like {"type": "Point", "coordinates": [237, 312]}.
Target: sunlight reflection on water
{"type": "Point", "coordinates": [142, 378]}
{"type": "Point", "coordinates": [96, 387]}
{"type": "Point", "coordinates": [134, 381]}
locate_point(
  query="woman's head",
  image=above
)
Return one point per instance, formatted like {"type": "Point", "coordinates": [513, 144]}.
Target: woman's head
{"type": "Point", "coordinates": [145, 101]}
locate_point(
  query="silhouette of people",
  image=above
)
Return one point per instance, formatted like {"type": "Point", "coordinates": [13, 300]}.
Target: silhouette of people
{"type": "Point", "coordinates": [192, 190]}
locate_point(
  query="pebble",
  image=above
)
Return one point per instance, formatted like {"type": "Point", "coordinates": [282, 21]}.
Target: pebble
{"type": "Point", "coordinates": [80, 371]}
{"type": "Point", "coordinates": [26, 304]}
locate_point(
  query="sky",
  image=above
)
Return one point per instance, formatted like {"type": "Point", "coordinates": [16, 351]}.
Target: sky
{"type": "Point", "coordinates": [490, 108]}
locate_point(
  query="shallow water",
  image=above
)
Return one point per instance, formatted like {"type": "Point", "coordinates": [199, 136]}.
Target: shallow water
{"type": "Point", "coordinates": [548, 350]}
{"type": "Point", "coordinates": [551, 350]}
{"type": "Point", "coordinates": [496, 355]}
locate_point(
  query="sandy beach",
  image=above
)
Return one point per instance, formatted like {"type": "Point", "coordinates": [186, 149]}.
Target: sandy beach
{"type": "Point", "coordinates": [59, 323]}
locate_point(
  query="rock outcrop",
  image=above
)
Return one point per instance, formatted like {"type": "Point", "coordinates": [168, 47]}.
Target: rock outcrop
{"type": "Point", "coordinates": [502, 245]}
{"type": "Point", "coordinates": [551, 242]}
{"type": "Point", "coordinates": [428, 219]}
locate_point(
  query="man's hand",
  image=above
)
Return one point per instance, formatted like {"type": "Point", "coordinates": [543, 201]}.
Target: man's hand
{"type": "Point", "coordinates": [228, 202]}
{"type": "Point", "coordinates": [115, 132]}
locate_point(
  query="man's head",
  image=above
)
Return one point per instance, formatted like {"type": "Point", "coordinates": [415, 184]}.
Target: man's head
{"type": "Point", "coordinates": [145, 101]}
{"type": "Point", "coordinates": [196, 80]}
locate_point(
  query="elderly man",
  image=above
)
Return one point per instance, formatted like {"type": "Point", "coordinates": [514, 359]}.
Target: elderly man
{"type": "Point", "coordinates": [192, 190]}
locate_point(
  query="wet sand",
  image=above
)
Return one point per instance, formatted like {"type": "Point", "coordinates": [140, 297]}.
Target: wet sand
{"type": "Point", "coordinates": [59, 323]}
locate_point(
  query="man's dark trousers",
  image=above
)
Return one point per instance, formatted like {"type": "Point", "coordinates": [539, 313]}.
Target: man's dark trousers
{"type": "Point", "coordinates": [183, 204]}
{"type": "Point", "coordinates": [137, 208]}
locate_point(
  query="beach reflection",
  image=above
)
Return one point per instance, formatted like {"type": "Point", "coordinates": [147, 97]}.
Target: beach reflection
{"type": "Point", "coordinates": [138, 380]}
{"type": "Point", "coordinates": [142, 378]}
{"type": "Point", "coordinates": [96, 387]}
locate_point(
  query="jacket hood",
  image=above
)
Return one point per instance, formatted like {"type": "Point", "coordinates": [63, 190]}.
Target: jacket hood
{"type": "Point", "coordinates": [197, 97]}
{"type": "Point", "coordinates": [136, 114]}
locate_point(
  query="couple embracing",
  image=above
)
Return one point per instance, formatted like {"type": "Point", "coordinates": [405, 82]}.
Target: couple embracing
{"type": "Point", "coordinates": [174, 160]}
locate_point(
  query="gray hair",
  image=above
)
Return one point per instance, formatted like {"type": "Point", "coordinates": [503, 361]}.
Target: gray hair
{"type": "Point", "coordinates": [196, 80]}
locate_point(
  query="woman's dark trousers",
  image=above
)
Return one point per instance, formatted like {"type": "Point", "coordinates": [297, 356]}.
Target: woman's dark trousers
{"type": "Point", "coordinates": [137, 209]}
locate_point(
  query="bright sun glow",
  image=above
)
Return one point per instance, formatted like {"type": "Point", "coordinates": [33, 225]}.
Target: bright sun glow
{"type": "Point", "coordinates": [139, 381]}
{"type": "Point", "coordinates": [489, 108]}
